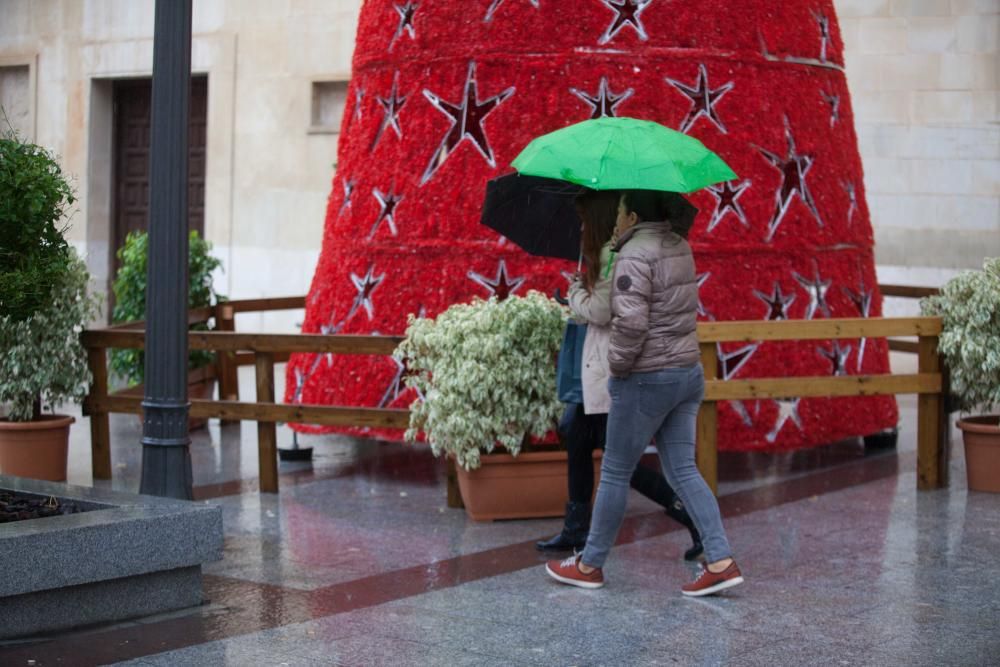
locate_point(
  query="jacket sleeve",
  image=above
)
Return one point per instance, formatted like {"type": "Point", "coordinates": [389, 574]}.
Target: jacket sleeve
{"type": "Point", "coordinates": [593, 307]}
{"type": "Point", "coordinates": [630, 294]}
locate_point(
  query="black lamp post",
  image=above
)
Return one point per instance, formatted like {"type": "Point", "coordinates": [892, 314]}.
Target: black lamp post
{"type": "Point", "coordinates": [166, 458]}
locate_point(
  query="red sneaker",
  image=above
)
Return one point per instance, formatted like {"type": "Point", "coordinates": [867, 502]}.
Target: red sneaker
{"type": "Point", "coordinates": [710, 583]}
{"type": "Point", "coordinates": [568, 572]}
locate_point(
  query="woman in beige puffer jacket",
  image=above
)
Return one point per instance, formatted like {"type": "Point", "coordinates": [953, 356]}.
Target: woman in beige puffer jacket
{"type": "Point", "coordinates": [656, 389]}
{"type": "Point", "coordinates": [584, 426]}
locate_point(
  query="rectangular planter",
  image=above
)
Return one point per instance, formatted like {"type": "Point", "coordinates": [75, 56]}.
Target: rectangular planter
{"type": "Point", "coordinates": [127, 556]}
{"type": "Point", "coordinates": [531, 485]}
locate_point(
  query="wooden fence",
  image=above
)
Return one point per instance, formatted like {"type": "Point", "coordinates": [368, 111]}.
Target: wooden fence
{"type": "Point", "coordinates": [263, 351]}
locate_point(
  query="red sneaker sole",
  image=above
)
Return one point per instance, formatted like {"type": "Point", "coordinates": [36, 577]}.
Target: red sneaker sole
{"type": "Point", "coordinates": [573, 582]}
{"type": "Point", "coordinates": [711, 590]}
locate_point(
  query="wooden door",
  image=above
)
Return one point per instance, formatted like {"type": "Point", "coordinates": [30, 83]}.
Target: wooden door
{"type": "Point", "coordinates": [130, 204]}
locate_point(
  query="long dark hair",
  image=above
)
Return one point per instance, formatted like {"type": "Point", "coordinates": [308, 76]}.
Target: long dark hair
{"type": "Point", "coordinates": [598, 210]}
{"type": "Point", "coordinates": [656, 206]}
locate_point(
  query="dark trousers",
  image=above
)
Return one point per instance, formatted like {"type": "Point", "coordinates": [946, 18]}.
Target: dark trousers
{"type": "Point", "coordinates": [582, 434]}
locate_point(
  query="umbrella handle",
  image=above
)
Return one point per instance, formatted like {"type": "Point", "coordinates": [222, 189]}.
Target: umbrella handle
{"type": "Point", "coordinates": [557, 295]}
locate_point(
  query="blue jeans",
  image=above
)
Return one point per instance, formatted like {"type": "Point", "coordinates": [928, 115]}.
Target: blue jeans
{"type": "Point", "coordinates": [662, 405]}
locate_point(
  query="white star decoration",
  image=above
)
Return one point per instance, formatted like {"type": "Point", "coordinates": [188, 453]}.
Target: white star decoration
{"type": "Point", "coordinates": [702, 311]}
{"type": "Point", "coordinates": [348, 191]}
{"type": "Point", "coordinates": [388, 202]}
{"type": "Point", "coordinates": [391, 106]}
{"type": "Point", "coordinates": [396, 385]}
{"type": "Point", "coordinates": [406, 13]}
{"type": "Point", "coordinates": [365, 285]}
{"type": "Point", "coordinates": [837, 357]}
{"type": "Point", "coordinates": [359, 98]}
{"type": "Point", "coordinates": [787, 409]}
{"type": "Point", "coordinates": [726, 201]}
{"type": "Point", "coordinates": [794, 168]}
{"type": "Point", "coordinates": [604, 102]}
{"type": "Point", "coordinates": [833, 101]}
{"type": "Point", "coordinates": [501, 286]}
{"type": "Point", "coordinates": [626, 13]}
{"type": "Point", "coordinates": [852, 196]}
{"type": "Point", "coordinates": [730, 363]}
{"type": "Point", "coordinates": [466, 122]}
{"type": "Point", "coordinates": [703, 100]}
{"type": "Point", "coordinates": [777, 302]}
{"type": "Point", "coordinates": [495, 5]}
{"type": "Point", "coordinates": [817, 289]}
{"type": "Point", "coordinates": [862, 299]}
{"type": "Point", "coordinates": [823, 22]}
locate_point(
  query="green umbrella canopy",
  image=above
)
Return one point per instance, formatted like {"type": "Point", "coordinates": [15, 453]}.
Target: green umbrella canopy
{"type": "Point", "coordinates": [623, 154]}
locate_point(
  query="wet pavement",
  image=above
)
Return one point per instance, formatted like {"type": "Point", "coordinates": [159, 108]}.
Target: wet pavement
{"type": "Point", "coordinates": [358, 561]}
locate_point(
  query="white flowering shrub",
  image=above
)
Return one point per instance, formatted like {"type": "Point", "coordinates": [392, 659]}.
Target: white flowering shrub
{"type": "Point", "coordinates": [969, 305]}
{"type": "Point", "coordinates": [42, 354]}
{"type": "Point", "coordinates": [486, 371]}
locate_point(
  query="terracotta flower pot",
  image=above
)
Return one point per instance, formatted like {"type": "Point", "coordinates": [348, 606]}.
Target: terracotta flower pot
{"type": "Point", "coordinates": [982, 452]}
{"type": "Point", "coordinates": [529, 486]}
{"type": "Point", "coordinates": [35, 449]}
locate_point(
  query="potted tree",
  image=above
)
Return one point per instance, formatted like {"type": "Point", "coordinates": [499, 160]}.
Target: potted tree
{"type": "Point", "coordinates": [130, 305]}
{"type": "Point", "coordinates": [969, 305]}
{"type": "Point", "coordinates": [485, 375]}
{"type": "Point", "coordinates": [44, 305]}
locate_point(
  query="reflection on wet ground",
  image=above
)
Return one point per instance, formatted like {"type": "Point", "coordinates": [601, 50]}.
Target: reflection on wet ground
{"type": "Point", "coordinates": [359, 562]}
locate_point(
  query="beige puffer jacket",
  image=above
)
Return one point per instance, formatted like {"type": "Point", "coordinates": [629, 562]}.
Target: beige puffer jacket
{"type": "Point", "coordinates": [654, 302]}
{"type": "Point", "coordinates": [593, 308]}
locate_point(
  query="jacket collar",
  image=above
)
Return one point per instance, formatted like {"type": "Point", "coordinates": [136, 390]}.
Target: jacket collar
{"type": "Point", "coordinates": [642, 226]}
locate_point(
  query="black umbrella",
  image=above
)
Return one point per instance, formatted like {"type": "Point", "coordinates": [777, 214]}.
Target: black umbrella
{"type": "Point", "coordinates": [535, 213]}
{"type": "Point", "coordinates": [539, 215]}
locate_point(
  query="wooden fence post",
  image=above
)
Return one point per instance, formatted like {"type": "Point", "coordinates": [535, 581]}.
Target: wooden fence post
{"type": "Point", "coordinates": [706, 449]}
{"type": "Point", "coordinates": [267, 436]}
{"type": "Point", "coordinates": [226, 368]}
{"type": "Point", "coordinates": [100, 429]}
{"type": "Point", "coordinates": [929, 420]}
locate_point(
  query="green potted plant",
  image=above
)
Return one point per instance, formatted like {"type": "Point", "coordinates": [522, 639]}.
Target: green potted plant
{"type": "Point", "coordinates": [486, 374]}
{"type": "Point", "coordinates": [44, 305]}
{"type": "Point", "coordinates": [130, 305]}
{"type": "Point", "coordinates": [969, 306]}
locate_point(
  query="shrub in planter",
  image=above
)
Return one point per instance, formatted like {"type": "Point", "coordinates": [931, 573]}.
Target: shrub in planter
{"type": "Point", "coordinates": [43, 362]}
{"type": "Point", "coordinates": [130, 297]}
{"type": "Point", "coordinates": [486, 372]}
{"type": "Point", "coordinates": [44, 306]}
{"type": "Point", "coordinates": [969, 306]}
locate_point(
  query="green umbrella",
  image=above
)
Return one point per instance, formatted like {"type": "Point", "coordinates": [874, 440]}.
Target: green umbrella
{"type": "Point", "coordinates": [623, 154]}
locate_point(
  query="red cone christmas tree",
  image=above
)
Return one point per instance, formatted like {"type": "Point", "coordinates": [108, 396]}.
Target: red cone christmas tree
{"type": "Point", "coordinates": [445, 94]}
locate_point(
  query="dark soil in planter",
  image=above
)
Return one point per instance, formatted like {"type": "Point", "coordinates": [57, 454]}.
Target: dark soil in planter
{"type": "Point", "coordinates": [21, 507]}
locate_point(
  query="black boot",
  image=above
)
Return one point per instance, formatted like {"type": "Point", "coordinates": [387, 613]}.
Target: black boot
{"type": "Point", "coordinates": [652, 484]}
{"type": "Point", "coordinates": [574, 532]}
{"type": "Point", "coordinates": [679, 513]}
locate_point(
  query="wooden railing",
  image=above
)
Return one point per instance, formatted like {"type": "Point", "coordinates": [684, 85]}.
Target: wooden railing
{"type": "Point", "coordinates": [928, 382]}
{"type": "Point", "coordinates": [263, 351]}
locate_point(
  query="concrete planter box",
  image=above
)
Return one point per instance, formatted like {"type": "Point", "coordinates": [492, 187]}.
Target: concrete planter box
{"type": "Point", "coordinates": [128, 556]}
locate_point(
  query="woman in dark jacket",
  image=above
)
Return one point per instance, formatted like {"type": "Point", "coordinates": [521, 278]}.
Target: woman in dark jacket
{"type": "Point", "coordinates": [584, 425]}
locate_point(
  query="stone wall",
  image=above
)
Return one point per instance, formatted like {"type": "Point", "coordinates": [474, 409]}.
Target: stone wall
{"type": "Point", "coordinates": [924, 81]}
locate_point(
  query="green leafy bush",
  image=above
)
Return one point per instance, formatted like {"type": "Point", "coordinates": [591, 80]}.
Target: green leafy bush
{"type": "Point", "coordinates": [130, 297]}
{"type": "Point", "coordinates": [969, 305]}
{"type": "Point", "coordinates": [44, 303]}
{"type": "Point", "coordinates": [42, 354]}
{"type": "Point", "coordinates": [34, 197]}
{"type": "Point", "coordinates": [486, 371]}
